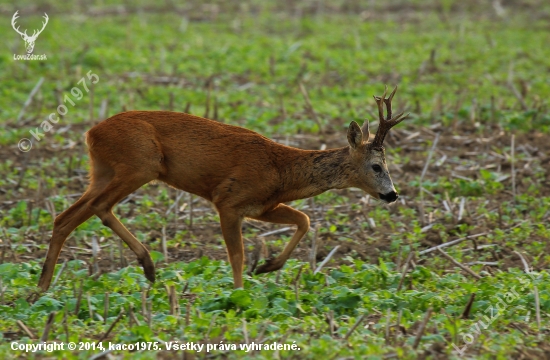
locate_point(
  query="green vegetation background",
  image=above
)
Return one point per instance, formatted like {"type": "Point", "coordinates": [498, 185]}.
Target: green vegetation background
{"type": "Point", "coordinates": [249, 58]}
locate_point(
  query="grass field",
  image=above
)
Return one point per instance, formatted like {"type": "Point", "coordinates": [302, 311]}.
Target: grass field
{"type": "Point", "coordinates": [471, 163]}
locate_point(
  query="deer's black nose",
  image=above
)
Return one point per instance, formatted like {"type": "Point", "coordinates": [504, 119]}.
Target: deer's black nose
{"type": "Point", "coordinates": [389, 197]}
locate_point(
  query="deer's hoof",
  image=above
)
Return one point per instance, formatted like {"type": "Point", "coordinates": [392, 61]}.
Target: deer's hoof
{"type": "Point", "coordinates": [148, 267]}
{"type": "Point", "coordinates": [269, 266]}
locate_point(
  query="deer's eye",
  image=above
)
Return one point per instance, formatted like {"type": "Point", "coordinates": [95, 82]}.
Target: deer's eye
{"type": "Point", "coordinates": [377, 168]}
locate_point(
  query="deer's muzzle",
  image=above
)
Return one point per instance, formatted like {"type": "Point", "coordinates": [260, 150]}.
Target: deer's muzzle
{"type": "Point", "coordinates": [389, 197]}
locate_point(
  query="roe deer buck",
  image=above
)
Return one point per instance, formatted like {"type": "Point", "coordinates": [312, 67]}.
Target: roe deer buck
{"type": "Point", "coordinates": [241, 172]}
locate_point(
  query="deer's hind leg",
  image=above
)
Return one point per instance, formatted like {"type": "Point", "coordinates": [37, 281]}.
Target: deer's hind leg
{"type": "Point", "coordinates": [66, 222]}
{"type": "Point", "coordinates": [136, 160]}
{"type": "Point", "coordinates": [116, 173]}
{"type": "Point", "coordinates": [283, 214]}
{"type": "Point", "coordinates": [102, 206]}
{"type": "Point", "coordinates": [64, 225]}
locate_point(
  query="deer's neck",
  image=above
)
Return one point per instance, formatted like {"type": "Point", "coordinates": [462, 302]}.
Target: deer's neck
{"type": "Point", "coordinates": [311, 173]}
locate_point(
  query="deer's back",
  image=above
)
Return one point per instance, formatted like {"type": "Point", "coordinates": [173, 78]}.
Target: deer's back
{"type": "Point", "coordinates": [214, 160]}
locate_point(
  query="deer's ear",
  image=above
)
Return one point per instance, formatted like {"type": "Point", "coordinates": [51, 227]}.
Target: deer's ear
{"type": "Point", "coordinates": [355, 135]}
{"type": "Point", "coordinates": [365, 130]}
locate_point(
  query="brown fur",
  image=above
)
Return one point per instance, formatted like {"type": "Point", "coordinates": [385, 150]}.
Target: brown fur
{"type": "Point", "coordinates": [243, 173]}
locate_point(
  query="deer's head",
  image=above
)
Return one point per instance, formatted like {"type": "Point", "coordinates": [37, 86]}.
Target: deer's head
{"type": "Point", "coordinates": [369, 159]}
{"type": "Point", "coordinates": [29, 40]}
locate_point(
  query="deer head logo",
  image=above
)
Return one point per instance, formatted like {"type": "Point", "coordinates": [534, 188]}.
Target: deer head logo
{"type": "Point", "coordinates": [29, 40]}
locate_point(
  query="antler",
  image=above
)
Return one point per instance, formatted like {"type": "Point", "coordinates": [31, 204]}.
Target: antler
{"type": "Point", "coordinates": [35, 33]}
{"type": "Point", "coordinates": [387, 123]}
{"type": "Point", "coordinates": [15, 17]}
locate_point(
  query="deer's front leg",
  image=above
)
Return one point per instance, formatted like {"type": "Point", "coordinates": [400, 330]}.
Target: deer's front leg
{"type": "Point", "coordinates": [231, 230]}
{"type": "Point", "coordinates": [283, 214]}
